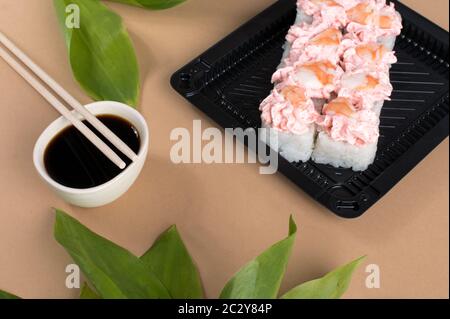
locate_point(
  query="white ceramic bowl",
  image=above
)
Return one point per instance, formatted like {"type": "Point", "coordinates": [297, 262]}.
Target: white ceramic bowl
{"type": "Point", "coordinates": [110, 191]}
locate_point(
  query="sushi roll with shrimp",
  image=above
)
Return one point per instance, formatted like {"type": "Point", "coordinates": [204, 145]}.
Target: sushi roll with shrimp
{"type": "Point", "coordinates": [319, 79]}
{"type": "Point", "coordinates": [288, 121]}
{"type": "Point", "coordinates": [322, 45]}
{"type": "Point", "coordinates": [348, 136]}
{"type": "Point", "coordinates": [370, 55]}
{"type": "Point", "coordinates": [375, 21]}
{"type": "Point", "coordinates": [330, 11]}
{"type": "Point", "coordinates": [313, 17]}
{"type": "Point", "coordinates": [372, 88]}
{"type": "Point", "coordinates": [308, 41]}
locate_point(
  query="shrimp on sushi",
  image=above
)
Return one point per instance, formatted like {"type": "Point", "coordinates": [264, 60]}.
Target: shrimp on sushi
{"type": "Point", "coordinates": [375, 21]}
{"type": "Point", "coordinates": [368, 55]}
{"type": "Point", "coordinates": [315, 41]}
{"type": "Point", "coordinates": [371, 87]}
{"type": "Point", "coordinates": [325, 45]}
{"type": "Point", "coordinates": [318, 78]}
{"type": "Point", "coordinates": [313, 16]}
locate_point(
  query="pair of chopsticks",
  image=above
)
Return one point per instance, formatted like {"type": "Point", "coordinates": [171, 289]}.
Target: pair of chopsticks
{"type": "Point", "coordinates": [69, 99]}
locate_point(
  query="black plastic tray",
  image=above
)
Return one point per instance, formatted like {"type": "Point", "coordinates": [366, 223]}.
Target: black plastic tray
{"type": "Point", "coordinates": [229, 81]}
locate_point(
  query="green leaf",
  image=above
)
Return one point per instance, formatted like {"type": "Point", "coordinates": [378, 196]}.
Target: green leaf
{"type": "Point", "coordinates": [88, 293]}
{"type": "Point", "coordinates": [170, 261]}
{"type": "Point", "coordinates": [152, 4]}
{"type": "Point", "coordinates": [101, 53]}
{"type": "Point", "coordinates": [112, 270]}
{"type": "Point", "coordinates": [7, 295]}
{"type": "Point", "coordinates": [261, 278]}
{"type": "Point", "coordinates": [332, 286]}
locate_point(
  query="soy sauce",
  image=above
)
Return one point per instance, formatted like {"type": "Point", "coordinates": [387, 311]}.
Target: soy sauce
{"type": "Point", "coordinates": [73, 161]}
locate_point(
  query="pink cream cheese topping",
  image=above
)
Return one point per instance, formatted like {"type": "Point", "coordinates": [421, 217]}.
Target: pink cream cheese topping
{"type": "Point", "coordinates": [368, 85]}
{"type": "Point", "coordinates": [287, 109]}
{"type": "Point", "coordinates": [328, 9]}
{"type": "Point", "coordinates": [315, 45]}
{"type": "Point", "coordinates": [358, 55]}
{"type": "Point", "coordinates": [344, 123]}
{"type": "Point", "coordinates": [371, 20]}
{"type": "Point", "coordinates": [318, 78]}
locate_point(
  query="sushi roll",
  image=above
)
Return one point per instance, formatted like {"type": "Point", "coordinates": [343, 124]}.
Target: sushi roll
{"type": "Point", "coordinates": [324, 45]}
{"type": "Point", "coordinates": [305, 42]}
{"type": "Point", "coordinates": [367, 55]}
{"type": "Point", "coordinates": [375, 21]}
{"type": "Point", "coordinates": [318, 78]}
{"type": "Point", "coordinates": [372, 88]}
{"type": "Point", "coordinates": [348, 136]}
{"type": "Point", "coordinates": [332, 82]}
{"type": "Point", "coordinates": [288, 121]}
{"type": "Point", "coordinates": [333, 11]}
{"type": "Point", "coordinates": [313, 16]}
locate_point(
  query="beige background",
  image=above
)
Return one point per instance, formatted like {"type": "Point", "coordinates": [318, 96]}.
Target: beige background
{"type": "Point", "coordinates": [227, 214]}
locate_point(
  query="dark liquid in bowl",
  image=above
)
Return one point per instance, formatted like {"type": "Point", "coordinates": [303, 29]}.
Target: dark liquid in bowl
{"type": "Point", "coordinates": [73, 161]}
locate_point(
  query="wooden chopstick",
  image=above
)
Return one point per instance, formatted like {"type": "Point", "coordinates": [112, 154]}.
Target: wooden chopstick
{"type": "Point", "coordinates": [58, 89]}
{"type": "Point", "coordinates": [94, 139]}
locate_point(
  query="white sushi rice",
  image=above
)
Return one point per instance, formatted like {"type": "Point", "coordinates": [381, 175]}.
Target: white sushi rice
{"type": "Point", "coordinates": [388, 42]}
{"type": "Point", "coordinates": [287, 50]}
{"type": "Point", "coordinates": [378, 107]}
{"type": "Point", "coordinates": [294, 148]}
{"type": "Point", "coordinates": [303, 17]}
{"type": "Point", "coordinates": [343, 155]}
